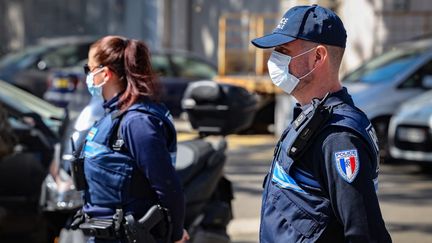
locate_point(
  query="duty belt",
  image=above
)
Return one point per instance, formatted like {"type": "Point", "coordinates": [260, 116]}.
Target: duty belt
{"type": "Point", "coordinates": [109, 229]}
{"type": "Point", "coordinates": [157, 220]}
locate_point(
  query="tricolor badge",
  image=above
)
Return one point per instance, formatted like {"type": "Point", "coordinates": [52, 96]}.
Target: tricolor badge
{"type": "Point", "coordinates": [347, 164]}
{"type": "Point", "coordinates": [91, 134]}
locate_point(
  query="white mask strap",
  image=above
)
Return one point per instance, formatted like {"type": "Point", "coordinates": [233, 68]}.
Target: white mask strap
{"type": "Point", "coordinates": [98, 71]}
{"type": "Point", "coordinates": [313, 48]}
{"type": "Point", "coordinates": [101, 84]}
{"type": "Point", "coordinates": [307, 73]}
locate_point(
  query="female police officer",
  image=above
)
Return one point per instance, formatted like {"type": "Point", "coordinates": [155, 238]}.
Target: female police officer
{"type": "Point", "coordinates": [129, 153]}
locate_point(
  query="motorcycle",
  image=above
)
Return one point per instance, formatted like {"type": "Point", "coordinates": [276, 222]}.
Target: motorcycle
{"type": "Point", "coordinates": [215, 111]}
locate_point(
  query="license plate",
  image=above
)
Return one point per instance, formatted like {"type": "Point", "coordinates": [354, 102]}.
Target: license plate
{"type": "Point", "coordinates": [413, 135]}
{"type": "Point", "coordinates": [61, 83]}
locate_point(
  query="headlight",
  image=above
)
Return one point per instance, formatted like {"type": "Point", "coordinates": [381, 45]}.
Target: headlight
{"type": "Point", "coordinates": [411, 134]}
{"type": "Point", "coordinates": [58, 193]}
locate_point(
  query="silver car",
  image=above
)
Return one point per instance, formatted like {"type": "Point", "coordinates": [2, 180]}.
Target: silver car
{"type": "Point", "coordinates": [380, 85]}
{"type": "Point", "coordinates": [410, 130]}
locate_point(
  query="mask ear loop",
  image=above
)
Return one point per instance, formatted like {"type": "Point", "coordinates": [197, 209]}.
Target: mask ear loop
{"type": "Point", "coordinates": [307, 73]}
{"type": "Point", "coordinates": [303, 54]}
{"type": "Point", "coordinates": [101, 84]}
{"type": "Point", "coordinates": [313, 48]}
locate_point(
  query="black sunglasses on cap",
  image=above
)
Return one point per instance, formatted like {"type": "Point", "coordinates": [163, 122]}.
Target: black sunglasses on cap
{"type": "Point", "coordinates": [88, 69]}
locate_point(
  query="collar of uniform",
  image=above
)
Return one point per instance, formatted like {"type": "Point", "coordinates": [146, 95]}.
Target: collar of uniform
{"type": "Point", "coordinates": [334, 99]}
{"type": "Point", "coordinates": [298, 109]}
{"type": "Point", "coordinates": [339, 97]}
{"type": "Point", "coordinates": [112, 103]}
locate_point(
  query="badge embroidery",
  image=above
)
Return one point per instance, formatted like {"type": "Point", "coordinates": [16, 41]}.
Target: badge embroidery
{"type": "Point", "coordinates": [91, 134]}
{"type": "Point", "coordinates": [347, 164]}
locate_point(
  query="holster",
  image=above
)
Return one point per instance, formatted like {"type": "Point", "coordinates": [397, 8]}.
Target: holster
{"type": "Point", "coordinates": [155, 226]}
{"type": "Point", "coordinates": [77, 167]}
{"type": "Point", "coordinates": [77, 171]}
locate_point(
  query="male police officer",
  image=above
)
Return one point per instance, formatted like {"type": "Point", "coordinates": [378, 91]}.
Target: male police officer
{"type": "Point", "coordinates": [323, 180]}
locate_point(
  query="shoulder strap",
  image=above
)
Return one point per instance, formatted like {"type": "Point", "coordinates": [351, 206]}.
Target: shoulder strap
{"type": "Point", "coordinates": [355, 121]}
{"type": "Point", "coordinates": [117, 144]}
{"type": "Point", "coordinates": [307, 126]}
{"type": "Point", "coordinates": [117, 140]}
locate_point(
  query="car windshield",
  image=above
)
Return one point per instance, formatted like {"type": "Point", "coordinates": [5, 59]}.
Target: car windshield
{"type": "Point", "coordinates": [20, 59]}
{"type": "Point", "coordinates": [26, 103]}
{"type": "Point", "coordinates": [384, 67]}
{"type": "Point", "coordinates": [193, 68]}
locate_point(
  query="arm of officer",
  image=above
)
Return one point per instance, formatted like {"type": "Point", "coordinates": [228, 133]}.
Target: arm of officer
{"type": "Point", "coordinates": [145, 139]}
{"type": "Point", "coordinates": [348, 178]}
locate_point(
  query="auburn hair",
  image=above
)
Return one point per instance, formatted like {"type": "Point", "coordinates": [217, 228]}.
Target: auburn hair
{"type": "Point", "coordinates": [130, 60]}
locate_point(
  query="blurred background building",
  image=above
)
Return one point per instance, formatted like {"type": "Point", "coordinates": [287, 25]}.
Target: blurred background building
{"type": "Point", "coordinates": [372, 25]}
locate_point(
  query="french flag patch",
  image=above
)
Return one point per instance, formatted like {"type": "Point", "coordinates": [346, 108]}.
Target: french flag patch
{"type": "Point", "coordinates": [347, 164]}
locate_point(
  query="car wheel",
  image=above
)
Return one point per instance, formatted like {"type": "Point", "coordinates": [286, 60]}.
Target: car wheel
{"type": "Point", "coordinates": [426, 168]}
{"type": "Point", "coordinates": [381, 125]}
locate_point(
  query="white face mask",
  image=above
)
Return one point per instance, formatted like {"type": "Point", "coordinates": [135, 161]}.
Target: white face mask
{"type": "Point", "coordinates": [278, 67]}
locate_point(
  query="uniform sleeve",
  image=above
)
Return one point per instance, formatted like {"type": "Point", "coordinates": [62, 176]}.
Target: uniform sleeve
{"type": "Point", "coordinates": [146, 141]}
{"type": "Point", "coordinates": [348, 178]}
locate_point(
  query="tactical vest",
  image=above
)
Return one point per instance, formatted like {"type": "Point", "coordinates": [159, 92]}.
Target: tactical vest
{"type": "Point", "coordinates": [111, 174]}
{"type": "Point", "coordinates": [289, 191]}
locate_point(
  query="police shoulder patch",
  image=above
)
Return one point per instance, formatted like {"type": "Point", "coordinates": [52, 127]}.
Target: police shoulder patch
{"type": "Point", "coordinates": [91, 134]}
{"type": "Point", "coordinates": [347, 164]}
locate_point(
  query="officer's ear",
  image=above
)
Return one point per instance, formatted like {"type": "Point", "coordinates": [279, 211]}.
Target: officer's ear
{"type": "Point", "coordinates": [107, 73]}
{"type": "Point", "coordinates": [321, 55]}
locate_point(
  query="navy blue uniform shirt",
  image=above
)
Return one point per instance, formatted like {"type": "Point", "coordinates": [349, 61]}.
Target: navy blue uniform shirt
{"type": "Point", "coordinates": [146, 142]}
{"type": "Point", "coordinates": [328, 194]}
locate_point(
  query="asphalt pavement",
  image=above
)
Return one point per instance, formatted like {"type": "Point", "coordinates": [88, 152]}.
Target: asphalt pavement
{"type": "Point", "coordinates": [405, 192]}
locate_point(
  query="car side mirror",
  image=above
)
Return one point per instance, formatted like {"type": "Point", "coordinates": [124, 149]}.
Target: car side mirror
{"type": "Point", "coordinates": [427, 82]}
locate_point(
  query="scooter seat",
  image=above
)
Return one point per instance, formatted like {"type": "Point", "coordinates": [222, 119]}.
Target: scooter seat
{"type": "Point", "coordinates": [192, 157]}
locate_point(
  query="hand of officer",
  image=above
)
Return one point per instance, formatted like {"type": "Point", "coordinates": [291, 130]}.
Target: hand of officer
{"type": "Point", "coordinates": [184, 238]}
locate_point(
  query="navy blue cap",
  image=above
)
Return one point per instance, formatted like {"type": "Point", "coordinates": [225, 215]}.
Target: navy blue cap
{"type": "Point", "coordinates": [312, 23]}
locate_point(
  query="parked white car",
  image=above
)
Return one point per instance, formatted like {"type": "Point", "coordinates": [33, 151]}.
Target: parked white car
{"type": "Point", "coordinates": [410, 130]}
{"type": "Point", "coordinates": [381, 84]}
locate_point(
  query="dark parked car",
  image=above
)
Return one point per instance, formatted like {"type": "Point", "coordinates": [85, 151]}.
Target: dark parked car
{"type": "Point", "coordinates": [176, 70]}
{"type": "Point", "coordinates": [31, 128]}
{"type": "Point", "coordinates": [29, 68]}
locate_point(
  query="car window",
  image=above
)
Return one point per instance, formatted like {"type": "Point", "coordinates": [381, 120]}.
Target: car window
{"type": "Point", "coordinates": [161, 65]}
{"type": "Point", "coordinates": [193, 68]}
{"type": "Point", "coordinates": [65, 56]}
{"type": "Point", "coordinates": [23, 58]}
{"type": "Point", "coordinates": [384, 67]}
{"type": "Point", "coordinates": [415, 80]}
{"type": "Point", "coordinates": [26, 103]}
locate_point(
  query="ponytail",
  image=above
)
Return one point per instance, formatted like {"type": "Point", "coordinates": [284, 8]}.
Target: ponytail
{"type": "Point", "coordinates": [130, 60]}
